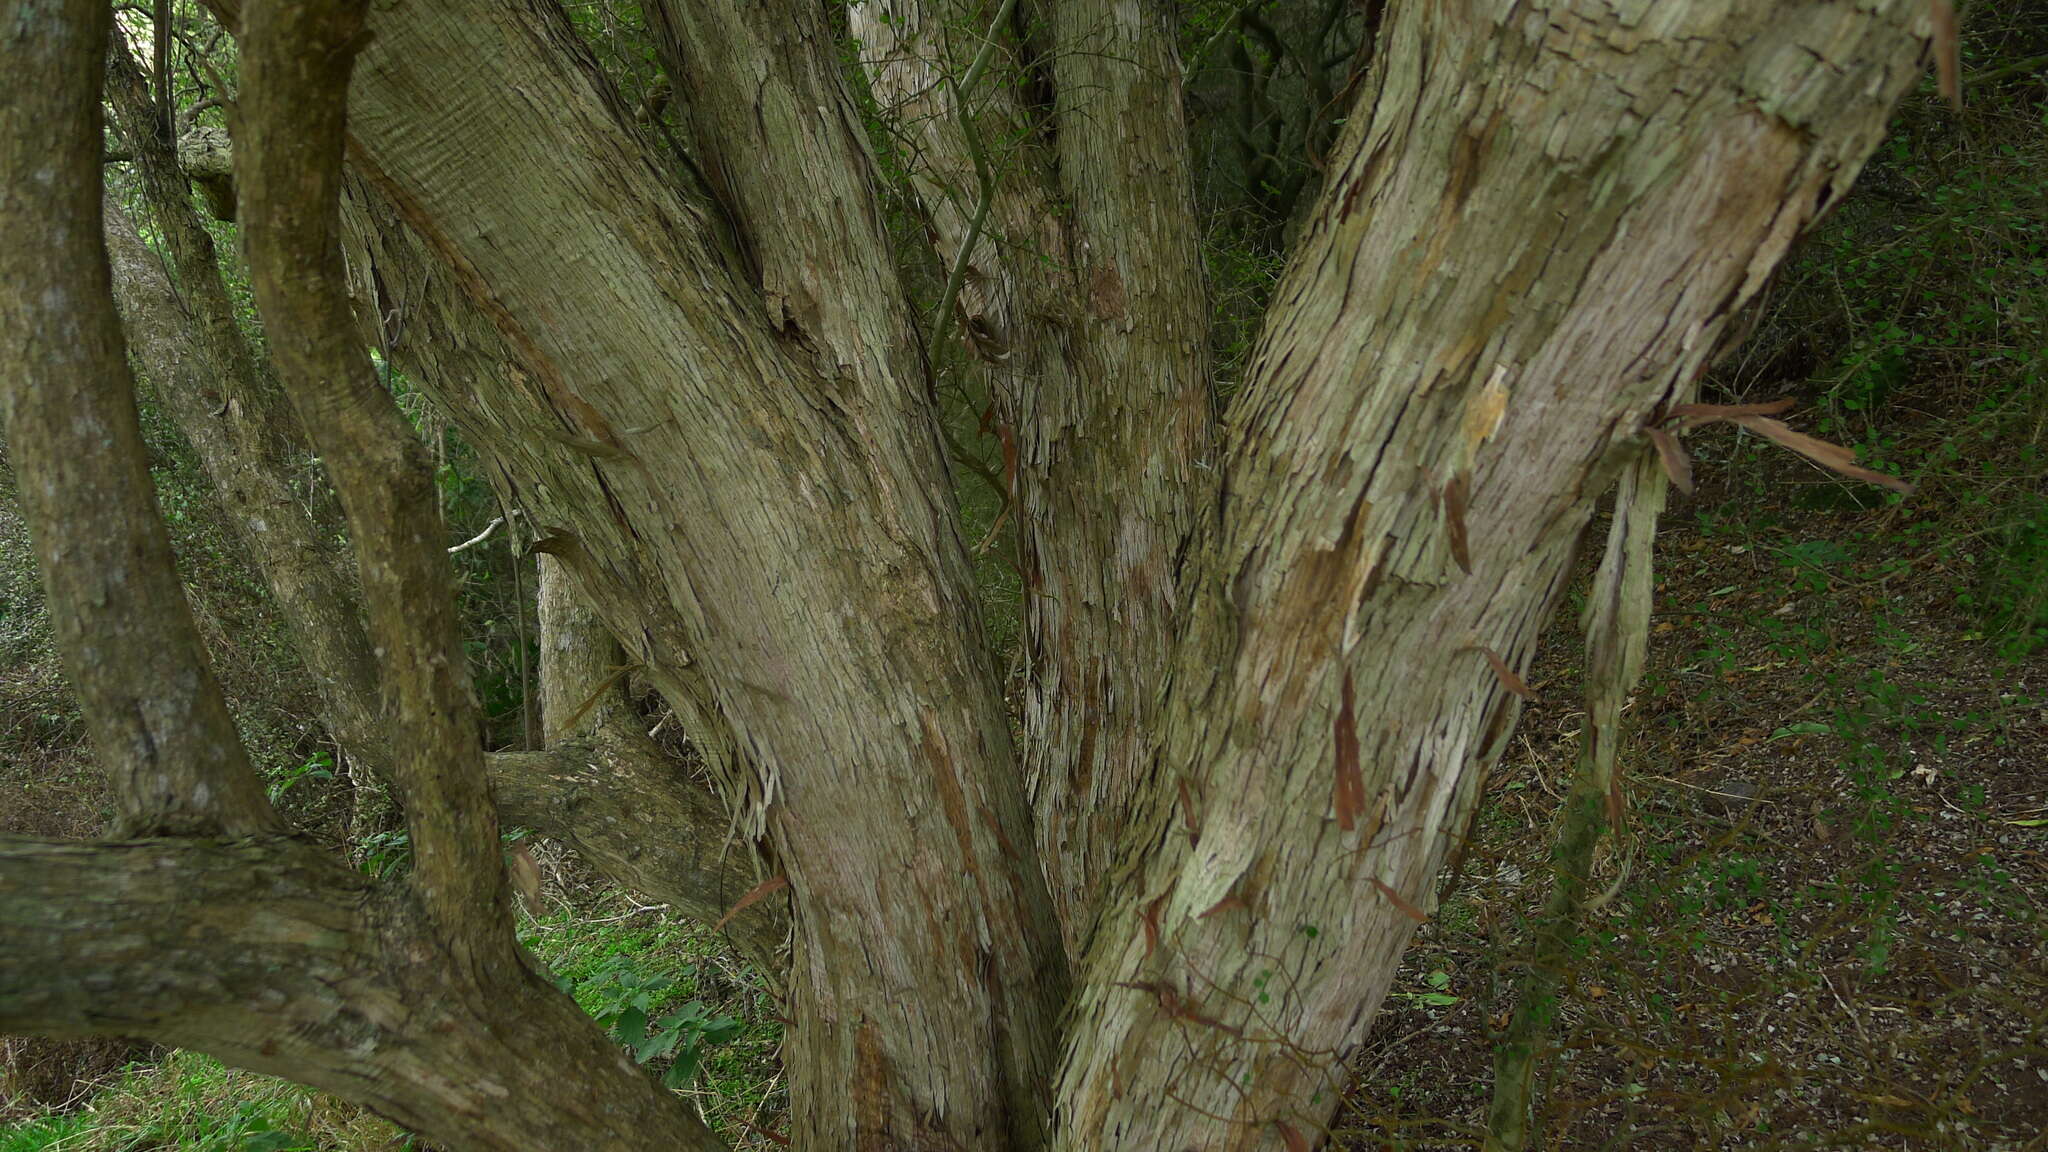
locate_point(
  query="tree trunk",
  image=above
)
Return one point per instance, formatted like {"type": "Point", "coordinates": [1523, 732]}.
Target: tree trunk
{"type": "Point", "coordinates": [1081, 290]}
{"type": "Point", "coordinates": [1532, 235]}
{"type": "Point", "coordinates": [274, 957]}
{"type": "Point", "coordinates": [745, 512]}
{"type": "Point", "coordinates": [413, 999]}
{"type": "Point", "coordinates": [1536, 224]}
{"type": "Point", "coordinates": [603, 794]}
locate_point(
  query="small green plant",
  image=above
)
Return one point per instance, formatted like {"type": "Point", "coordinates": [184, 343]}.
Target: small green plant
{"type": "Point", "coordinates": [623, 999]}
{"type": "Point", "coordinates": [385, 854]}
{"type": "Point", "coordinates": [320, 767]}
{"type": "Point", "coordinates": [1435, 993]}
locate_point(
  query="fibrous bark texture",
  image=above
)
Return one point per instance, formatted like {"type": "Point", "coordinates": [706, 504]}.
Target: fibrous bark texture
{"type": "Point", "coordinates": [752, 522]}
{"type": "Point", "coordinates": [1532, 233]}
{"type": "Point", "coordinates": [1082, 294]}
{"type": "Point", "coordinates": [411, 998]}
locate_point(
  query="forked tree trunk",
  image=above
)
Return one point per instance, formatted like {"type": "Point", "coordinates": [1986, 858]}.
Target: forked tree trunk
{"type": "Point", "coordinates": [617, 800]}
{"type": "Point", "coordinates": [1536, 224]}
{"type": "Point", "coordinates": [217, 932]}
{"type": "Point", "coordinates": [764, 521]}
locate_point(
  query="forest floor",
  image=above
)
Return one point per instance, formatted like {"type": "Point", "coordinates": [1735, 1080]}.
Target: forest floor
{"type": "Point", "coordinates": [1827, 924]}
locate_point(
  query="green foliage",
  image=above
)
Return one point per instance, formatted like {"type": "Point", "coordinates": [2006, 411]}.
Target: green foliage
{"type": "Point", "coordinates": [670, 994]}
{"type": "Point", "coordinates": [623, 998]}
{"type": "Point", "coordinates": [194, 1103]}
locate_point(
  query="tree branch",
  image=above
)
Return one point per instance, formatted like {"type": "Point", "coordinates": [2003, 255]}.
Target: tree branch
{"type": "Point", "coordinates": [272, 956]}
{"type": "Point", "coordinates": [129, 645]}
{"type": "Point", "coordinates": [296, 60]}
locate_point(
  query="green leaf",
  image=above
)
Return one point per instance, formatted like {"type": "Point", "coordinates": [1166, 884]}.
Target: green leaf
{"type": "Point", "coordinates": [630, 1026]}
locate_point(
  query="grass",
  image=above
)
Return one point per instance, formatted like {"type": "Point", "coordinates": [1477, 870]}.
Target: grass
{"type": "Point", "coordinates": [193, 1103]}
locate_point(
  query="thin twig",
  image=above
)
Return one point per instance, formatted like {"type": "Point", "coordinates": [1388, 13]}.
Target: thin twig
{"type": "Point", "coordinates": [982, 175]}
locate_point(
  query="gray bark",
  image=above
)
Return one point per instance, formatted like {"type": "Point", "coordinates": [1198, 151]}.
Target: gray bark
{"type": "Point", "coordinates": [1534, 229]}
{"type": "Point", "coordinates": [753, 523]}
{"type": "Point", "coordinates": [1082, 294]}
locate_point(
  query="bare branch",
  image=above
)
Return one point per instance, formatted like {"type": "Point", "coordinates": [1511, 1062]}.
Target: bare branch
{"type": "Point", "coordinates": [272, 956]}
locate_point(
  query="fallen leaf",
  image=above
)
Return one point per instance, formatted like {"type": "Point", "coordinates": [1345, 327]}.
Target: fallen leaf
{"type": "Point", "coordinates": [1948, 69]}
{"type": "Point", "coordinates": [753, 896]}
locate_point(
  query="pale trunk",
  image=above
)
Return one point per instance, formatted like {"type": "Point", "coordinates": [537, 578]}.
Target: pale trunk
{"type": "Point", "coordinates": [1531, 236]}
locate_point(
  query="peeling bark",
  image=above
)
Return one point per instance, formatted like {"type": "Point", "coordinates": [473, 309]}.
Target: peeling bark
{"type": "Point", "coordinates": [1535, 227]}
{"type": "Point", "coordinates": [1084, 296]}
{"type": "Point", "coordinates": [779, 540]}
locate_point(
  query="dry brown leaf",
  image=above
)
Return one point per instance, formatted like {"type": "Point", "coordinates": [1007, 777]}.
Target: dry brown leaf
{"type": "Point", "coordinates": [1677, 464]}
{"type": "Point", "coordinates": [1819, 451]}
{"type": "Point", "coordinates": [1294, 1140]}
{"type": "Point", "coordinates": [753, 896]}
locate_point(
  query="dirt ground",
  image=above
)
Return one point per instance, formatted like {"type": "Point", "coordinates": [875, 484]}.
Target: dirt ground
{"type": "Point", "coordinates": [1826, 927]}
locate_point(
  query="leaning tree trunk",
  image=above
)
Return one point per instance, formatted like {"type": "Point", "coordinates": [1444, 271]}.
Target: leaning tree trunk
{"type": "Point", "coordinates": [1534, 228]}
{"type": "Point", "coordinates": [757, 513]}
{"type": "Point", "coordinates": [187, 343]}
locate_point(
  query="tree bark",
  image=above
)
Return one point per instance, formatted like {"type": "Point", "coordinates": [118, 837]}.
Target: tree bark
{"type": "Point", "coordinates": [1537, 222]}
{"type": "Point", "coordinates": [1083, 294]}
{"type": "Point", "coordinates": [272, 956]}
{"type": "Point", "coordinates": [615, 799]}
{"type": "Point", "coordinates": [616, 796]}
{"type": "Point", "coordinates": [189, 345]}
{"type": "Point", "coordinates": [414, 999]}
{"type": "Point", "coordinates": [784, 533]}
{"type": "Point", "coordinates": [130, 649]}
